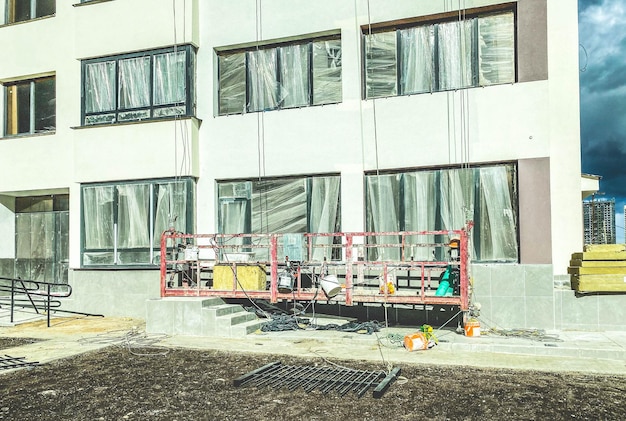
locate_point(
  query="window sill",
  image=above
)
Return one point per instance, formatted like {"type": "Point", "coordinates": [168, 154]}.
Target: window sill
{"type": "Point", "coordinates": [28, 21]}
{"type": "Point", "coordinates": [128, 123]}
{"type": "Point", "coordinates": [86, 3]}
{"type": "Point", "coordinates": [25, 135]}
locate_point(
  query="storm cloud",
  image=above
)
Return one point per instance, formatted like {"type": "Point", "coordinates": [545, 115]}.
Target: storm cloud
{"type": "Point", "coordinates": [602, 37]}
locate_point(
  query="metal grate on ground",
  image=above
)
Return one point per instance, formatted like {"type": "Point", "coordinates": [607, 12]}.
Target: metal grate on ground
{"type": "Point", "coordinates": [338, 380]}
{"type": "Point", "coordinates": [7, 362]}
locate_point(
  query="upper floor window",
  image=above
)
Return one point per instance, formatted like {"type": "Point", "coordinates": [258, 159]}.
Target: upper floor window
{"type": "Point", "coordinates": [285, 76]}
{"type": "Point", "coordinates": [23, 10]}
{"type": "Point", "coordinates": [442, 56]}
{"type": "Point", "coordinates": [30, 106]}
{"type": "Point", "coordinates": [139, 86]}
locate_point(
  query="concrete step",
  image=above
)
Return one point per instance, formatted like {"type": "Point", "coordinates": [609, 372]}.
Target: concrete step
{"type": "Point", "coordinates": [222, 309]}
{"type": "Point", "coordinates": [242, 329]}
{"type": "Point", "coordinates": [224, 324]}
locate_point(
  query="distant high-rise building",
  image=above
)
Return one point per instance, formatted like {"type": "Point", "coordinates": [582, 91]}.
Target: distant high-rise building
{"type": "Point", "coordinates": [599, 221]}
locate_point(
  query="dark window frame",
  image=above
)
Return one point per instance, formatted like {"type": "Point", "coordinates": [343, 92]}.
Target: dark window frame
{"type": "Point", "coordinates": [189, 102]}
{"type": "Point", "coordinates": [435, 21]}
{"type": "Point", "coordinates": [309, 42]}
{"type": "Point", "coordinates": [33, 13]}
{"type": "Point", "coordinates": [152, 249]}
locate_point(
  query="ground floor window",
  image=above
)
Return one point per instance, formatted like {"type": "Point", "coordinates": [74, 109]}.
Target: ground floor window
{"type": "Point", "coordinates": [444, 199]}
{"type": "Point", "coordinates": [42, 238]}
{"type": "Point", "coordinates": [309, 204]}
{"type": "Point", "coordinates": [122, 222]}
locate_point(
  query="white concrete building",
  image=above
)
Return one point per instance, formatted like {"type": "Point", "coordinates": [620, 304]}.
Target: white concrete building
{"type": "Point", "coordinates": [123, 117]}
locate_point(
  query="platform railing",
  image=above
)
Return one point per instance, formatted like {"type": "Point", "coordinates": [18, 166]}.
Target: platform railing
{"type": "Point", "coordinates": [362, 261]}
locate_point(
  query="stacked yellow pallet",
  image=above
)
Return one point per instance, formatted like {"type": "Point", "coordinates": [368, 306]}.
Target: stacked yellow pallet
{"type": "Point", "coordinates": [600, 268]}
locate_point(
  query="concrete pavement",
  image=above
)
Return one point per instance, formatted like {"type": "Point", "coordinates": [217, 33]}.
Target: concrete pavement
{"type": "Point", "coordinates": [563, 351]}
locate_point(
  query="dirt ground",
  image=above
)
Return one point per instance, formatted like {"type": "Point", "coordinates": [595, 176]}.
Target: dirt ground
{"type": "Point", "coordinates": [119, 383]}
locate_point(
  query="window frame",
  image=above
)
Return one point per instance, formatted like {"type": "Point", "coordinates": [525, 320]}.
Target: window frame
{"type": "Point", "coordinates": [475, 190]}
{"type": "Point", "coordinates": [435, 21]}
{"type": "Point", "coordinates": [153, 247]}
{"type": "Point", "coordinates": [278, 48]}
{"type": "Point", "coordinates": [189, 102]}
{"type": "Point", "coordinates": [9, 16]}
{"type": "Point", "coordinates": [32, 107]}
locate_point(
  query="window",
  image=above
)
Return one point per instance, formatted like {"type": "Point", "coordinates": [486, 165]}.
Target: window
{"type": "Point", "coordinates": [429, 200]}
{"type": "Point", "coordinates": [287, 76]}
{"type": "Point", "coordinates": [442, 56]}
{"type": "Point", "coordinates": [23, 10]}
{"type": "Point", "coordinates": [285, 205]}
{"type": "Point", "coordinates": [30, 106]}
{"type": "Point", "coordinates": [140, 86]}
{"type": "Point", "coordinates": [123, 222]}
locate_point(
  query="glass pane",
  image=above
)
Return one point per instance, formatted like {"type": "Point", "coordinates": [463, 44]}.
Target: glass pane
{"type": "Point", "coordinates": [327, 72]}
{"type": "Point", "coordinates": [45, 8]}
{"type": "Point", "coordinates": [133, 216]}
{"type": "Point", "coordinates": [45, 105]}
{"type": "Point", "coordinates": [262, 79]}
{"type": "Point", "coordinates": [497, 226]}
{"type": "Point", "coordinates": [380, 65]}
{"type": "Point", "coordinates": [382, 213]}
{"type": "Point", "coordinates": [169, 78]}
{"type": "Point", "coordinates": [98, 208]}
{"type": "Point", "coordinates": [417, 61]}
{"type": "Point", "coordinates": [279, 206]}
{"type": "Point", "coordinates": [294, 75]}
{"type": "Point", "coordinates": [496, 49]}
{"type": "Point", "coordinates": [420, 203]}
{"type": "Point", "coordinates": [456, 61]}
{"type": "Point", "coordinates": [18, 108]}
{"type": "Point", "coordinates": [134, 83]}
{"type": "Point", "coordinates": [232, 83]}
{"type": "Point", "coordinates": [100, 87]}
{"type": "Point", "coordinates": [171, 209]}
{"type": "Point", "coordinates": [19, 10]}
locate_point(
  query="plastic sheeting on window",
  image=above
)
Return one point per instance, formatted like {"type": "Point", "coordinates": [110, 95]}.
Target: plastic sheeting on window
{"type": "Point", "coordinates": [327, 72]}
{"type": "Point", "coordinates": [262, 80]}
{"type": "Point", "coordinates": [232, 83]}
{"type": "Point", "coordinates": [279, 206]}
{"type": "Point", "coordinates": [380, 65]}
{"type": "Point", "coordinates": [98, 214]}
{"type": "Point", "coordinates": [133, 214]}
{"type": "Point", "coordinates": [497, 229]}
{"type": "Point", "coordinates": [446, 200]}
{"type": "Point", "coordinates": [496, 49]}
{"type": "Point", "coordinates": [383, 210]}
{"type": "Point", "coordinates": [134, 83]}
{"type": "Point", "coordinates": [307, 204]}
{"type": "Point", "coordinates": [456, 61]}
{"type": "Point", "coordinates": [420, 205]}
{"type": "Point", "coordinates": [417, 62]}
{"type": "Point", "coordinates": [169, 78]}
{"type": "Point", "coordinates": [294, 75]}
{"type": "Point", "coordinates": [171, 209]}
{"type": "Point", "coordinates": [100, 87]}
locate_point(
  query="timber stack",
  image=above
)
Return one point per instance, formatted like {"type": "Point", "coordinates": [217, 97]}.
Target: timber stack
{"type": "Point", "coordinates": [599, 268]}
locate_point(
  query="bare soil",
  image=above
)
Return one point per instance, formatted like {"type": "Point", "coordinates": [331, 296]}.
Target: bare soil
{"type": "Point", "coordinates": [180, 384]}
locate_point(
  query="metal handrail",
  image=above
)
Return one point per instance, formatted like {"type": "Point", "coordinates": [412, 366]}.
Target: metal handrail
{"type": "Point", "coordinates": [39, 289]}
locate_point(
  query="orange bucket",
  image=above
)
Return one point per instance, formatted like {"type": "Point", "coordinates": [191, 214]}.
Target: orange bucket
{"type": "Point", "coordinates": [472, 328]}
{"type": "Point", "coordinates": [415, 341]}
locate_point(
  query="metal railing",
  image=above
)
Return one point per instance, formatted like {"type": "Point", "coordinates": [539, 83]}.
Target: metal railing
{"type": "Point", "coordinates": [364, 263]}
{"type": "Point", "coordinates": [37, 295]}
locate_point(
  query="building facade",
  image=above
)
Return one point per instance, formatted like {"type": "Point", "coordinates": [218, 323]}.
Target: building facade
{"type": "Point", "coordinates": [122, 118]}
{"type": "Point", "coordinates": [599, 219]}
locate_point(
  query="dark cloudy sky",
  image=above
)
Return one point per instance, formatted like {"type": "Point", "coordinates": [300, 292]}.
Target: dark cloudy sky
{"type": "Point", "coordinates": [602, 37]}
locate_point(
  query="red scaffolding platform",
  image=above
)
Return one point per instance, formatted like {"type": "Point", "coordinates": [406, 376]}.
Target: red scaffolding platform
{"type": "Point", "coordinates": [363, 263]}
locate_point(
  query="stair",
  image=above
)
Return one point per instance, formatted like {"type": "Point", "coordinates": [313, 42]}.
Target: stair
{"type": "Point", "coordinates": [198, 316]}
